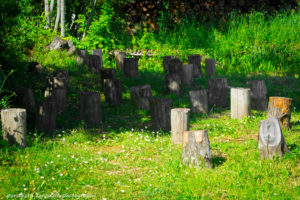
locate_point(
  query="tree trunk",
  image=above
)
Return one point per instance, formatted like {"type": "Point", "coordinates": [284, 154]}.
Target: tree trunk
{"type": "Point", "coordinates": [141, 96]}
{"type": "Point", "coordinates": [90, 108]}
{"type": "Point", "coordinates": [47, 14]}
{"type": "Point", "coordinates": [187, 74]}
{"type": "Point", "coordinates": [240, 102]}
{"type": "Point", "coordinates": [131, 67]}
{"type": "Point", "coordinates": [166, 62]}
{"type": "Point", "coordinates": [57, 16]}
{"type": "Point", "coordinates": [14, 126]}
{"type": "Point", "coordinates": [109, 73]}
{"type": "Point", "coordinates": [60, 79]}
{"type": "Point", "coordinates": [94, 63]}
{"type": "Point", "coordinates": [120, 60]}
{"type": "Point", "coordinates": [25, 97]}
{"type": "Point", "coordinates": [180, 122]}
{"type": "Point", "coordinates": [174, 84]}
{"type": "Point", "coordinates": [175, 66]}
{"type": "Point", "coordinates": [82, 58]}
{"type": "Point", "coordinates": [51, 6]}
{"type": "Point", "coordinates": [46, 117]}
{"type": "Point", "coordinates": [98, 52]}
{"type": "Point", "coordinates": [196, 61]}
{"type": "Point", "coordinates": [198, 100]}
{"type": "Point", "coordinates": [270, 139]}
{"type": "Point", "coordinates": [89, 21]}
{"type": "Point", "coordinates": [160, 109]}
{"type": "Point", "coordinates": [217, 92]}
{"type": "Point", "coordinates": [113, 91]}
{"type": "Point", "coordinates": [258, 94]}
{"type": "Point", "coordinates": [196, 149]}
{"type": "Point", "coordinates": [280, 107]}
{"type": "Point", "coordinates": [62, 19]}
{"type": "Point", "coordinates": [210, 66]}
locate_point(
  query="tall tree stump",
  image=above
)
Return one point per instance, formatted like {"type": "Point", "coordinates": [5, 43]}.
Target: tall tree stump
{"type": "Point", "coordinates": [82, 58]}
{"type": "Point", "coordinates": [187, 75]}
{"type": "Point", "coordinates": [160, 109]}
{"type": "Point", "coordinates": [98, 52]}
{"type": "Point", "coordinates": [196, 149]}
{"type": "Point", "coordinates": [60, 79]}
{"type": "Point", "coordinates": [90, 108]}
{"type": "Point", "coordinates": [57, 95]}
{"type": "Point", "coordinates": [196, 61]}
{"type": "Point", "coordinates": [94, 63]}
{"type": "Point", "coordinates": [280, 107]}
{"type": "Point", "coordinates": [174, 84]}
{"type": "Point", "coordinates": [217, 92]}
{"type": "Point", "coordinates": [14, 126]}
{"type": "Point", "coordinates": [198, 100]}
{"type": "Point", "coordinates": [46, 116]}
{"type": "Point", "coordinates": [109, 73]}
{"type": "Point", "coordinates": [210, 67]}
{"type": "Point", "coordinates": [166, 62]}
{"type": "Point", "coordinates": [175, 66]}
{"type": "Point", "coordinates": [25, 97]}
{"type": "Point", "coordinates": [120, 60]}
{"type": "Point", "coordinates": [240, 102]}
{"type": "Point", "coordinates": [270, 139]}
{"type": "Point", "coordinates": [141, 96]}
{"type": "Point", "coordinates": [113, 91]}
{"type": "Point", "coordinates": [180, 122]}
{"type": "Point", "coordinates": [130, 67]}
{"type": "Point", "coordinates": [258, 94]}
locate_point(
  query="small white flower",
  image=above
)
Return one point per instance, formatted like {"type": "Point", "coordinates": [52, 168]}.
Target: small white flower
{"type": "Point", "coordinates": [59, 135]}
{"type": "Point", "coordinates": [52, 178]}
{"type": "Point", "coordinates": [61, 174]}
{"type": "Point", "coordinates": [25, 189]}
{"type": "Point", "coordinates": [46, 165]}
{"type": "Point", "coordinates": [37, 171]}
{"type": "Point", "coordinates": [51, 161]}
{"type": "Point", "coordinates": [146, 127]}
{"type": "Point", "coordinates": [58, 155]}
{"type": "Point", "coordinates": [103, 198]}
{"type": "Point", "coordinates": [74, 168]}
{"type": "Point", "coordinates": [186, 173]}
{"type": "Point", "coordinates": [123, 191]}
{"type": "Point", "coordinates": [42, 177]}
{"type": "Point", "coordinates": [63, 139]}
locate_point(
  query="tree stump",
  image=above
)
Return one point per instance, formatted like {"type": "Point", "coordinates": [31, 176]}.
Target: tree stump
{"type": "Point", "coordinates": [46, 116]}
{"type": "Point", "coordinates": [174, 84]}
{"type": "Point", "coordinates": [210, 66]}
{"type": "Point", "coordinates": [240, 102]}
{"type": "Point", "coordinates": [180, 122]}
{"type": "Point", "coordinates": [270, 139]}
{"type": "Point", "coordinates": [198, 100]}
{"type": "Point", "coordinates": [57, 44]}
{"type": "Point", "coordinates": [166, 62]}
{"type": "Point", "coordinates": [90, 108]}
{"type": "Point", "coordinates": [113, 91]}
{"type": "Point", "coordinates": [72, 48]}
{"type": "Point", "coordinates": [258, 94]}
{"type": "Point", "coordinates": [196, 149]}
{"type": "Point", "coordinates": [57, 95]}
{"type": "Point", "coordinates": [25, 97]}
{"type": "Point", "coordinates": [160, 109]}
{"type": "Point", "coordinates": [60, 79]}
{"type": "Point", "coordinates": [175, 66]}
{"type": "Point", "coordinates": [82, 58]}
{"type": "Point", "coordinates": [196, 61]}
{"type": "Point", "coordinates": [217, 92]}
{"type": "Point", "coordinates": [94, 63]}
{"type": "Point", "coordinates": [98, 52]}
{"type": "Point", "coordinates": [187, 75]}
{"type": "Point", "coordinates": [14, 126]}
{"type": "Point", "coordinates": [120, 60]}
{"type": "Point", "coordinates": [130, 67]}
{"type": "Point", "coordinates": [109, 73]}
{"type": "Point", "coordinates": [280, 107]}
{"type": "Point", "coordinates": [141, 96]}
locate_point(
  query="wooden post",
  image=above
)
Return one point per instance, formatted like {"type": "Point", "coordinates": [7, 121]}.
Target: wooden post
{"type": "Point", "coordinates": [187, 75]}
{"type": "Point", "coordinates": [141, 96]}
{"type": "Point", "coordinates": [198, 100]}
{"type": "Point", "coordinates": [196, 61]}
{"type": "Point", "coordinates": [46, 116]}
{"type": "Point", "coordinates": [174, 84]}
{"type": "Point", "coordinates": [25, 97]}
{"type": "Point", "coordinates": [130, 67]}
{"type": "Point", "coordinates": [196, 149]}
{"type": "Point", "coordinates": [240, 102]}
{"type": "Point", "coordinates": [166, 62]}
{"type": "Point", "coordinates": [180, 122]}
{"type": "Point", "coordinates": [98, 52]}
{"type": "Point", "coordinates": [14, 126]}
{"type": "Point", "coordinates": [160, 109]}
{"type": "Point", "coordinates": [60, 79]}
{"type": "Point", "coordinates": [120, 60]}
{"type": "Point", "coordinates": [175, 66]}
{"type": "Point", "coordinates": [90, 108]}
{"type": "Point", "coordinates": [109, 73]}
{"type": "Point", "coordinates": [82, 58]}
{"type": "Point", "coordinates": [217, 92]}
{"type": "Point", "coordinates": [94, 63]}
{"type": "Point", "coordinates": [280, 107]}
{"type": "Point", "coordinates": [113, 91]}
{"type": "Point", "coordinates": [210, 66]}
{"type": "Point", "coordinates": [258, 94]}
{"type": "Point", "coordinates": [57, 95]}
{"type": "Point", "coordinates": [270, 139]}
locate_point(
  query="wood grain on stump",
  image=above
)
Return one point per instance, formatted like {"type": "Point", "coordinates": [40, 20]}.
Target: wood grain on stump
{"type": "Point", "coordinates": [175, 66]}
{"type": "Point", "coordinates": [60, 79]}
{"type": "Point", "coordinates": [25, 97]}
{"type": "Point", "coordinates": [46, 116]}
{"type": "Point", "coordinates": [280, 107]}
{"type": "Point", "coordinates": [108, 73]}
{"type": "Point", "coordinates": [180, 122]}
{"type": "Point", "coordinates": [166, 62]}
{"type": "Point", "coordinates": [240, 102]}
{"type": "Point", "coordinates": [94, 63]}
{"type": "Point", "coordinates": [160, 109]}
{"type": "Point", "coordinates": [258, 94]}
{"type": "Point", "coordinates": [217, 92]}
{"type": "Point", "coordinates": [198, 101]}
{"type": "Point", "coordinates": [82, 58]}
{"type": "Point", "coordinates": [90, 108]}
{"type": "Point", "coordinates": [141, 96]}
{"type": "Point", "coordinates": [210, 67]}
{"type": "Point", "coordinates": [174, 84]}
{"type": "Point", "coordinates": [98, 52]}
{"type": "Point", "coordinates": [130, 67]}
{"type": "Point", "coordinates": [196, 61]}
{"type": "Point", "coordinates": [113, 91]}
{"type": "Point", "coordinates": [187, 74]}
{"type": "Point", "coordinates": [57, 95]}
{"type": "Point", "coordinates": [120, 60]}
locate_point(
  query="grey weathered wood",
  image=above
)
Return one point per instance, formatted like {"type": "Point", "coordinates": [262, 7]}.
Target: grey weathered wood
{"type": "Point", "coordinates": [82, 58]}
{"type": "Point", "coordinates": [180, 122]}
{"type": "Point", "coordinates": [160, 109]}
{"type": "Point", "coordinates": [166, 62]}
{"type": "Point", "coordinates": [270, 139]}
{"type": "Point", "coordinates": [196, 61]}
{"type": "Point", "coordinates": [98, 52]}
{"type": "Point", "coordinates": [175, 66]}
{"type": "Point", "coordinates": [240, 102]}
{"type": "Point", "coordinates": [58, 44]}
{"type": "Point", "coordinates": [25, 97]}
{"type": "Point", "coordinates": [113, 91]}
{"type": "Point", "coordinates": [174, 84]}
{"type": "Point", "coordinates": [280, 107]}
{"type": "Point", "coordinates": [141, 96]}
{"type": "Point", "coordinates": [46, 116]}
{"type": "Point", "coordinates": [108, 73]}
{"type": "Point", "coordinates": [188, 74]}
{"type": "Point", "coordinates": [60, 79]}
{"type": "Point", "coordinates": [72, 48]}
{"type": "Point", "coordinates": [94, 63]}
{"type": "Point", "coordinates": [130, 67]}
{"type": "Point", "coordinates": [198, 101]}
{"type": "Point", "coordinates": [14, 126]}
{"type": "Point", "coordinates": [196, 149]}
{"type": "Point", "coordinates": [217, 92]}
{"type": "Point", "coordinates": [258, 94]}
{"type": "Point", "coordinates": [210, 67]}
{"type": "Point", "coordinates": [90, 108]}
{"type": "Point", "coordinates": [57, 95]}
{"type": "Point", "coordinates": [119, 56]}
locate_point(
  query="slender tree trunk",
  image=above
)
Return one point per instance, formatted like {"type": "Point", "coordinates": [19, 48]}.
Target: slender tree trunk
{"type": "Point", "coordinates": [62, 19]}
{"type": "Point", "coordinates": [47, 14]}
{"type": "Point", "coordinates": [51, 6]}
{"type": "Point", "coordinates": [57, 16]}
{"type": "Point", "coordinates": [89, 21]}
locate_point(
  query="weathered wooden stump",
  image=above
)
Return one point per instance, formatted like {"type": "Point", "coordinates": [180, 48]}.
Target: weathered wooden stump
{"type": "Point", "coordinates": [82, 58]}
{"type": "Point", "coordinates": [198, 100]}
{"type": "Point", "coordinates": [120, 60]}
{"type": "Point", "coordinates": [196, 149]}
{"type": "Point", "coordinates": [130, 67]}
{"type": "Point", "coordinates": [160, 109]}
{"type": "Point", "coordinates": [174, 84]}
{"type": "Point", "coordinates": [210, 66]}
{"type": "Point", "coordinates": [46, 116]}
{"type": "Point", "coordinates": [94, 63]}
{"type": "Point", "coordinates": [72, 48]}
{"type": "Point", "coordinates": [57, 44]}
{"type": "Point", "coordinates": [280, 107]}
{"type": "Point", "coordinates": [175, 66]}
{"type": "Point", "coordinates": [166, 62]}
{"type": "Point", "coordinates": [217, 92]}
{"type": "Point", "coordinates": [98, 52]}
{"type": "Point", "coordinates": [141, 96]}
{"type": "Point", "coordinates": [60, 79]}
{"type": "Point", "coordinates": [187, 75]}
{"type": "Point", "coordinates": [57, 95]}
{"type": "Point", "coordinates": [90, 108]}
{"type": "Point", "coordinates": [240, 102]}
{"type": "Point", "coordinates": [25, 97]}
{"type": "Point", "coordinates": [113, 91]}
{"type": "Point", "coordinates": [258, 94]}
{"type": "Point", "coordinates": [196, 61]}
{"type": "Point", "coordinates": [14, 126]}
{"type": "Point", "coordinates": [270, 139]}
{"type": "Point", "coordinates": [180, 122]}
{"type": "Point", "coordinates": [109, 73]}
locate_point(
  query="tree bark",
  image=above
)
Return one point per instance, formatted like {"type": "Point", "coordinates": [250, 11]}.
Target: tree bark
{"type": "Point", "coordinates": [280, 107]}
{"type": "Point", "coordinates": [180, 122]}
{"type": "Point", "coordinates": [217, 92]}
{"type": "Point", "coordinates": [196, 61]}
{"type": "Point", "coordinates": [113, 91]}
{"type": "Point", "coordinates": [160, 109]}
{"type": "Point", "coordinates": [198, 100]}
{"type": "Point", "coordinates": [89, 21]}
{"type": "Point", "coordinates": [240, 102]}
{"type": "Point", "coordinates": [166, 62]}
{"type": "Point", "coordinates": [57, 16]}
{"type": "Point", "coordinates": [47, 14]}
{"type": "Point", "coordinates": [174, 84]}
{"type": "Point", "coordinates": [258, 94]}
{"type": "Point", "coordinates": [62, 19]}
{"type": "Point", "coordinates": [210, 66]}
{"type": "Point", "coordinates": [46, 117]}
{"type": "Point", "coordinates": [187, 74]}
{"type": "Point", "coordinates": [141, 96]}
{"type": "Point", "coordinates": [120, 60]}
{"type": "Point", "coordinates": [131, 67]}
{"type": "Point", "coordinates": [90, 108]}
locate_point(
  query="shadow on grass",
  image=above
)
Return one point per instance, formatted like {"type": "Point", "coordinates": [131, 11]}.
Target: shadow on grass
{"type": "Point", "coordinates": [217, 161]}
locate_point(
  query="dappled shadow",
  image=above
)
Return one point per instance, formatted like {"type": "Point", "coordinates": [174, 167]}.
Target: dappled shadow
{"type": "Point", "coordinates": [292, 147]}
{"type": "Point", "coordinates": [217, 161]}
